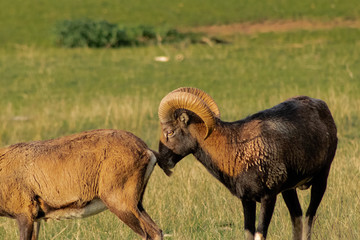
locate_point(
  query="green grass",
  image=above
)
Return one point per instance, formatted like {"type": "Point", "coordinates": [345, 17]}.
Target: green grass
{"type": "Point", "coordinates": [47, 92]}
{"type": "Point", "coordinates": [56, 92]}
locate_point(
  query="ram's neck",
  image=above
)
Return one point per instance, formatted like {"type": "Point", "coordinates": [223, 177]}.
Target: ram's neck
{"type": "Point", "coordinates": [217, 152]}
{"type": "Point", "coordinates": [228, 150]}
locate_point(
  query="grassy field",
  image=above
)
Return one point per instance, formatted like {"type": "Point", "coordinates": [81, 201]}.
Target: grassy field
{"type": "Point", "coordinates": [48, 92]}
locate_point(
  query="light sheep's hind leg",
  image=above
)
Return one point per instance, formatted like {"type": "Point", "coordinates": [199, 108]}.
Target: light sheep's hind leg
{"type": "Point", "coordinates": [140, 207]}
{"type": "Point", "coordinates": [122, 194]}
{"type": "Point", "coordinates": [130, 219]}
{"type": "Point", "coordinates": [36, 230]}
{"type": "Point", "coordinates": [26, 227]}
{"type": "Point", "coordinates": [154, 231]}
{"type": "Point", "coordinates": [129, 213]}
{"type": "Point", "coordinates": [125, 202]}
{"type": "Point", "coordinates": [293, 205]}
{"type": "Point", "coordinates": [146, 215]}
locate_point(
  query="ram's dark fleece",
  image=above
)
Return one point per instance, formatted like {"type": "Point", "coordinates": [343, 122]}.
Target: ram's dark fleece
{"type": "Point", "coordinates": [77, 176]}
{"type": "Point", "coordinates": [274, 151]}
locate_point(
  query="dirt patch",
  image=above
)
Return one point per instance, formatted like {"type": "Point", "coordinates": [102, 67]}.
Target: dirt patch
{"type": "Point", "coordinates": [274, 26]}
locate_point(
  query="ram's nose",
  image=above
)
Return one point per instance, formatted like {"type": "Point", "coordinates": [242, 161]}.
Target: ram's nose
{"type": "Point", "coordinates": [168, 172]}
{"type": "Point", "coordinates": [162, 164]}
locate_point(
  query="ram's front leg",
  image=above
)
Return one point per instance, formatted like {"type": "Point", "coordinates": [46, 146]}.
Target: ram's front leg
{"type": "Point", "coordinates": [266, 212]}
{"type": "Point", "coordinates": [249, 218]}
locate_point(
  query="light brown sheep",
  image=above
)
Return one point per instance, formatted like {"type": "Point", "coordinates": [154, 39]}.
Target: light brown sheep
{"type": "Point", "coordinates": [77, 176]}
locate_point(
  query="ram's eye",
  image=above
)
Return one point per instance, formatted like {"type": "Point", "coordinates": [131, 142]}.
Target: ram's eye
{"type": "Point", "coordinates": [170, 133]}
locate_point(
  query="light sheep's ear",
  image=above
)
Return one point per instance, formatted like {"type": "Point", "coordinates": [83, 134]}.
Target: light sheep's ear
{"type": "Point", "coordinates": [184, 118]}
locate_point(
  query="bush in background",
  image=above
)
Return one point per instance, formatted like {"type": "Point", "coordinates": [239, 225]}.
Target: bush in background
{"type": "Point", "coordinates": [88, 33]}
{"type": "Point", "coordinates": [98, 34]}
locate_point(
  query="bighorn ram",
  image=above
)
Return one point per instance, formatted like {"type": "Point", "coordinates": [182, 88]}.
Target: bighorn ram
{"type": "Point", "coordinates": [77, 176]}
{"type": "Point", "coordinates": [273, 151]}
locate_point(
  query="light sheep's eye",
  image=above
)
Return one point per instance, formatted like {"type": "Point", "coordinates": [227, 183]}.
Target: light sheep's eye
{"type": "Point", "coordinates": [170, 133]}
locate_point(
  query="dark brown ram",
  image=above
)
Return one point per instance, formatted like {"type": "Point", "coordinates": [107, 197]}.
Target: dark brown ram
{"type": "Point", "coordinates": [273, 151]}
{"type": "Point", "coordinates": [77, 176]}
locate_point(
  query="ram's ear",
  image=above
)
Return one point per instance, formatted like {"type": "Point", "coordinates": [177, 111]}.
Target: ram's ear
{"type": "Point", "coordinates": [184, 118]}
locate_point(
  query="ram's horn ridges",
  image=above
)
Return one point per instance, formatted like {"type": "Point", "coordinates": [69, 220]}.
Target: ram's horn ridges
{"type": "Point", "coordinates": [184, 100]}
{"type": "Point", "coordinates": [204, 96]}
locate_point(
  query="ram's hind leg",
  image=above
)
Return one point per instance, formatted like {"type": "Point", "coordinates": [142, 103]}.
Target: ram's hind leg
{"type": "Point", "coordinates": [317, 192]}
{"type": "Point", "coordinates": [293, 204]}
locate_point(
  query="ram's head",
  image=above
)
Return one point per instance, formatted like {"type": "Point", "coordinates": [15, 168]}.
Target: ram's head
{"type": "Point", "coordinates": [186, 115]}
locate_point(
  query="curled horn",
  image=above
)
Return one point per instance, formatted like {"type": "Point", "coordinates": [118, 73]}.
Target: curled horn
{"type": "Point", "coordinates": [204, 96]}
{"type": "Point", "coordinates": [185, 100]}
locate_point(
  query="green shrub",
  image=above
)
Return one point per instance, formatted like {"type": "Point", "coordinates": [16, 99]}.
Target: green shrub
{"type": "Point", "coordinates": [88, 33]}
{"type": "Point", "coordinates": [98, 34]}
{"type": "Point", "coordinates": [141, 35]}
{"type": "Point", "coordinates": [173, 36]}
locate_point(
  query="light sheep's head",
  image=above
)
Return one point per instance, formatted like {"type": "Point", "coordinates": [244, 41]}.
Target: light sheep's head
{"type": "Point", "coordinates": [186, 114]}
